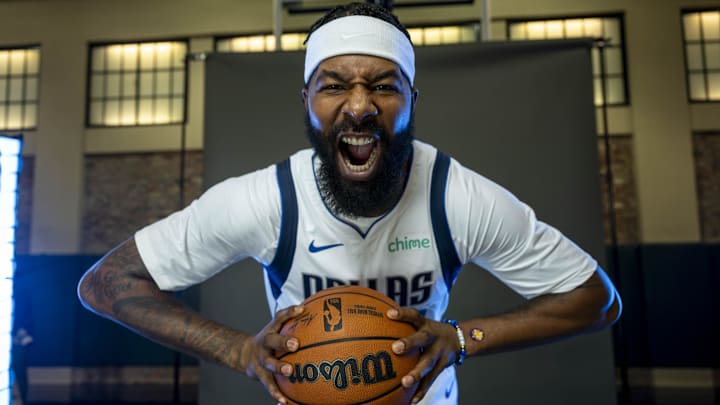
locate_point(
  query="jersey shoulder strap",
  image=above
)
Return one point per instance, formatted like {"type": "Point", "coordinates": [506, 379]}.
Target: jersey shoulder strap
{"type": "Point", "coordinates": [449, 259]}
{"type": "Point", "coordinates": [279, 269]}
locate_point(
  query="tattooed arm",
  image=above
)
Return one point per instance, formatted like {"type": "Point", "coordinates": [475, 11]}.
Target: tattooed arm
{"type": "Point", "coordinates": [119, 287]}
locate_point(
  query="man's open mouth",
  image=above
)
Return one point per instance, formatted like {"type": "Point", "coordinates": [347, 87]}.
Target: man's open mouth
{"type": "Point", "coordinates": [358, 152]}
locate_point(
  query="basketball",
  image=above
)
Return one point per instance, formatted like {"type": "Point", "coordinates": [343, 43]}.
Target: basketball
{"type": "Point", "coordinates": [345, 355]}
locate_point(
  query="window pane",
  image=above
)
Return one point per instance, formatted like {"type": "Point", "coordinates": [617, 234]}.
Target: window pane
{"type": "Point", "coordinates": [269, 43]}
{"type": "Point", "coordinates": [712, 56]}
{"type": "Point", "coordinates": [468, 34]}
{"type": "Point", "coordinates": [691, 23]}
{"type": "Point", "coordinates": [31, 89]}
{"type": "Point", "coordinates": [147, 56]}
{"type": "Point", "coordinates": [162, 55]}
{"type": "Point", "coordinates": [130, 57]}
{"type": "Point", "coordinates": [595, 54]}
{"type": "Point", "coordinates": [16, 89]}
{"type": "Point", "coordinates": [96, 85]}
{"type": "Point", "coordinates": [432, 36]}
{"type": "Point", "coordinates": [256, 44]}
{"type": "Point", "coordinates": [593, 28]}
{"type": "Point", "coordinates": [129, 85]}
{"type": "Point", "coordinates": [162, 84]}
{"type": "Point", "coordinates": [112, 112]}
{"type": "Point", "coordinates": [612, 30]}
{"type": "Point", "coordinates": [146, 83]}
{"type": "Point", "coordinates": [615, 91]}
{"type": "Point", "coordinates": [17, 62]}
{"type": "Point", "coordinates": [3, 90]}
{"type": "Point", "coordinates": [536, 30]}
{"type": "Point", "coordinates": [177, 109]}
{"type": "Point", "coordinates": [517, 31]}
{"type": "Point", "coordinates": [697, 87]}
{"type": "Point", "coordinates": [179, 54]}
{"type": "Point", "coordinates": [30, 116]}
{"type": "Point", "coordinates": [3, 116]}
{"type": "Point", "coordinates": [162, 111]}
{"type": "Point", "coordinates": [178, 83]}
{"type": "Point", "coordinates": [613, 61]}
{"type": "Point", "coordinates": [14, 119]}
{"type": "Point", "coordinates": [98, 59]}
{"type": "Point", "coordinates": [555, 29]}
{"type": "Point", "coordinates": [694, 56]}
{"type": "Point", "coordinates": [95, 114]}
{"type": "Point", "coordinates": [127, 116]}
{"type": "Point", "coordinates": [714, 86]}
{"type": "Point", "coordinates": [573, 28]}
{"type": "Point", "coordinates": [113, 55]}
{"type": "Point", "coordinates": [240, 44]}
{"type": "Point", "coordinates": [711, 25]}
{"type": "Point", "coordinates": [291, 41]}
{"type": "Point", "coordinates": [598, 91]}
{"type": "Point", "coordinates": [223, 45]}
{"type": "Point", "coordinates": [112, 86]}
{"type": "Point", "coordinates": [145, 112]}
{"type": "Point", "coordinates": [32, 61]}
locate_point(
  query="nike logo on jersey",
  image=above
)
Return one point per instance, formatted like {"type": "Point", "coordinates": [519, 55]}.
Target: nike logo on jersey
{"type": "Point", "coordinates": [448, 390]}
{"type": "Point", "coordinates": [314, 249]}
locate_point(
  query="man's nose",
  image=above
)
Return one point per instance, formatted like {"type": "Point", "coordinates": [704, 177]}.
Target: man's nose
{"type": "Point", "coordinates": [359, 104]}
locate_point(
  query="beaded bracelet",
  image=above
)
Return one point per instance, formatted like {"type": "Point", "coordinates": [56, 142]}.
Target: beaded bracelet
{"type": "Point", "coordinates": [461, 339]}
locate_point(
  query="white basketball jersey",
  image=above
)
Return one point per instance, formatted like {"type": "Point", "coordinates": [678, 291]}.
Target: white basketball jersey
{"type": "Point", "coordinates": [396, 254]}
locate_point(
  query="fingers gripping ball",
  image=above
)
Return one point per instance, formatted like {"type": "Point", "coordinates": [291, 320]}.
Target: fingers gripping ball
{"type": "Point", "coordinates": [344, 355]}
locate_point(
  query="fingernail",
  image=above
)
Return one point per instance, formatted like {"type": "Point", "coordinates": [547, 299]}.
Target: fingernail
{"type": "Point", "coordinates": [292, 345]}
{"type": "Point", "coordinates": [298, 309]}
{"type": "Point", "coordinates": [286, 370]}
{"type": "Point", "coordinates": [408, 381]}
{"type": "Point", "coordinates": [398, 347]}
{"type": "Point", "coordinates": [392, 313]}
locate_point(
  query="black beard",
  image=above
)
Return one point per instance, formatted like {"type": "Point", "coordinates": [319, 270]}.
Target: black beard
{"type": "Point", "coordinates": [362, 198]}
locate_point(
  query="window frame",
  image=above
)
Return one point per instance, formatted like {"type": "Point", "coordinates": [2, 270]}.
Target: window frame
{"type": "Point", "coordinates": [23, 102]}
{"type": "Point", "coordinates": [622, 47]}
{"type": "Point", "coordinates": [137, 97]}
{"type": "Point", "coordinates": [704, 69]}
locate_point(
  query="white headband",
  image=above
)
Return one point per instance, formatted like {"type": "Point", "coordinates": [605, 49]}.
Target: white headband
{"type": "Point", "coordinates": [359, 34]}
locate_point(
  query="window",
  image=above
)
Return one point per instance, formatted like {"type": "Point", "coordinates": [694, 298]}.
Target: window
{"type": "Point", "coordinates": [609, 28]}
{"type": "Point", "coordinates": [444, 35]}
{"type": "Point", "coordinates": [261, 43]}
{"type": "Point", "coordinates": [139, 83]}
{"type": "Point", "coordinates": [19, 70]}
{"type": "Point", "coordinates": [440, 35]}
{"type": "Point", "coordinates": [702, 54]}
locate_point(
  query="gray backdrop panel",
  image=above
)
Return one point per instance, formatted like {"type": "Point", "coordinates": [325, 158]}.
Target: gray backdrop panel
{"type": "Point", "coordinates": [519, 113]}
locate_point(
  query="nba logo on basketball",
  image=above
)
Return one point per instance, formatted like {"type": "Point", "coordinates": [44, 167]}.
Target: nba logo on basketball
{"type": "Point", "coordinates": [332, 314]}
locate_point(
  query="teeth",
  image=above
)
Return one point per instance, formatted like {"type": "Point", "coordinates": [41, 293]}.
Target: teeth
{"type": "Point", "coordinates": [362, 168]}
{"type": "Point", "coordinates": [357, 141]}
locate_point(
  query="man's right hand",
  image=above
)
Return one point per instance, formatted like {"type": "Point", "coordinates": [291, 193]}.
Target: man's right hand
{"type": "Point", "coordinates": [257, 354]}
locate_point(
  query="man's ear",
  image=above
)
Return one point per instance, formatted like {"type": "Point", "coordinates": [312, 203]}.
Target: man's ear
{"type": "Point", "coordinates": [415, 95]}
{"type": "Point", "coordinates": [304, 94]}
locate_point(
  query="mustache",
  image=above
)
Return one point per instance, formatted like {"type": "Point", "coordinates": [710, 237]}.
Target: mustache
{"type": "Point", "coordinates": [348, 125]}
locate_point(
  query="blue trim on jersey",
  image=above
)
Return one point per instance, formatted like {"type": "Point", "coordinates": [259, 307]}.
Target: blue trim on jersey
{"type": "Point", "coordinates": [279, 269]}
{"type": "Point", "coordinates": [350, 224]}
{"type": "Point", "coordinates": [449, 259]}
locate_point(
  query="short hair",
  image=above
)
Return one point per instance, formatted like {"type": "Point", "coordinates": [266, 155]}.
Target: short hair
{"type": "Point", "coordinates": [365, 9]}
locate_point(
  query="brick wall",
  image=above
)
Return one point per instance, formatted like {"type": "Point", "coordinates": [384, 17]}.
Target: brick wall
{"type": "Point", "coordinates": [124, 192]}
{"type": "Point", "coordinates": [624, 190]}
{"type": "Point", "coordinates": [706, 148]}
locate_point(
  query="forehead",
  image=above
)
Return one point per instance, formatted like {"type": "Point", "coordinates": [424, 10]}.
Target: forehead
{"type": "Point", "coordinates": [356, 66]}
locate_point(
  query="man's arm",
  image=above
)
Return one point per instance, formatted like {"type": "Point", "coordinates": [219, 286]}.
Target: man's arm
{"type": "Point", "coordinates": [591, 306]}
{"type": "Point", "coordinates": [119, 287]}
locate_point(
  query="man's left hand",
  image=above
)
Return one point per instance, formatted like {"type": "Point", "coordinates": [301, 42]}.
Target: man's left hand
{"type": "Point", "coordinates": [437, 341]}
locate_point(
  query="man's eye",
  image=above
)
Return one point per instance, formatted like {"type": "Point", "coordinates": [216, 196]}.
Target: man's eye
{"type": "Point", "coordinates": [386, 87]}
{"type": "Point", "coordinates": [332, 87]}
